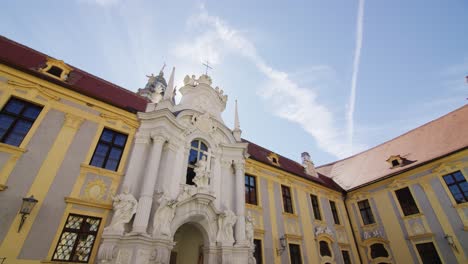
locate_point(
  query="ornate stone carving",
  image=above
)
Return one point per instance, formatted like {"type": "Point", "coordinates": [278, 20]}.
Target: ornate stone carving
{"type": "Point", "coordinates": [124, 256]}
{"type": "Point", "coordinates": [226, 222]}
{"type": "Point", "coordinates": [125, 206]}
{"type": "Point", "coordinates": [204, 123]}
{"type": "Point", "coordinates": [323, 230]}
{"type": "Point", "coordinates": [372, 233]}
{"type": "Point", "coordinates": [163, 216]}
{"type": "Point", "coordinates": [186, 192]}
{"type": "Point", "coordinates": [95, 190]}
{"type": "Point", "coordinates": [190, 81]}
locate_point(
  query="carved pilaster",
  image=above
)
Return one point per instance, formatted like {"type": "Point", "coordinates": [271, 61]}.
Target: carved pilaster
{"type": "Point", "coordinates": [73, 121]}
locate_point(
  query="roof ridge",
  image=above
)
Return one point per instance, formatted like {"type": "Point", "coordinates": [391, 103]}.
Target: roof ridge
{"type": "Point", "coordinates": [397, 137]}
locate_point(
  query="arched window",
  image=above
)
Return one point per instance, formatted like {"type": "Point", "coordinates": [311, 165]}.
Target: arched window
{"type": "Point", "coordinates": [198, 149]}
{"type": "Point", "coordinates": [378, 250]}
{"type": "Point", "coordinates": [325, 249]}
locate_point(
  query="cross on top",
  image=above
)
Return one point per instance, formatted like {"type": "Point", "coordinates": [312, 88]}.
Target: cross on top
{"type": "Point", "coordinates": [207, 65]}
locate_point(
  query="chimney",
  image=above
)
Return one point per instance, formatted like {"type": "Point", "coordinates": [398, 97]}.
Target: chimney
{"type": "Point", "coordinates": [309, 166]}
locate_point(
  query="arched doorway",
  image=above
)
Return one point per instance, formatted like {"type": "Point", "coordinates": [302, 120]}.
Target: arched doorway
{"type": "Point", "coordinates": [189, 245]}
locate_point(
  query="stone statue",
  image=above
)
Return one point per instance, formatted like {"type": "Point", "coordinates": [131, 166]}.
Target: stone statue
{"type": "Point", "coordinates": [249, 229]}
{"type": "Point", "coordinates": [202, 178]}
{"type": "Point", "coordinates": [163, 216]}
{"type": "Point", "coordinates": [151, 81]}
{"type": "Point", "coordinates": [226, 222]}
{"type": "Point", "coordinates": [190, 81]}
{"type": "Point", "coordinates": [125, 206]}
{"type": "Point", "coordinates": [158, 94]}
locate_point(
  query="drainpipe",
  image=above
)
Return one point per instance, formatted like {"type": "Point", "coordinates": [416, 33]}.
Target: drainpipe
{"type": "Point", "coordinates": [352, 230]}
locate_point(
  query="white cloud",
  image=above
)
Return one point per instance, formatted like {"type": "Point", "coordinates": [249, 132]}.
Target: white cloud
{"type": "Point", "coordinates": [356, 62]}
{"type": "Point", "coordinates": [103, 3]}
{"type": "Point", "coordinates": [289, 100]}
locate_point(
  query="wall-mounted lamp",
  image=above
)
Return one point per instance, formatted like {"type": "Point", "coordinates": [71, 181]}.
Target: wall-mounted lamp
{"type": "Point", "coordinates": [282, 241]}
{"type": "Point", "coordinates": [450, 241]}
{"type": "Point", "coordinates": [26, 208]}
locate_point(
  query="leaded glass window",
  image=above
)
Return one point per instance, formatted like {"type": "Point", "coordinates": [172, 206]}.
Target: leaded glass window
{"type": "Point", "coordinates": [77, 239]}
{"type": "Point", "coordinates": [16, 119]}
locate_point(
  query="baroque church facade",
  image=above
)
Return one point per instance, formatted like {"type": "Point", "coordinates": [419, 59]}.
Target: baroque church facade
{"type": "Point", "coordinates": [93, 173]}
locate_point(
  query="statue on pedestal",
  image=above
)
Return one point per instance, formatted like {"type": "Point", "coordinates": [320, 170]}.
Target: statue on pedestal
{"type": "Point", "coordinates": [125, 206]}
{"type": "Point", "coordinates": [202, 178]}
{"type": "Point", "coordinates": [226, 222]}
{"type": "Point", "coordinates": [249, 229]}
{"type": "Point", "coordinates": [163, 216]}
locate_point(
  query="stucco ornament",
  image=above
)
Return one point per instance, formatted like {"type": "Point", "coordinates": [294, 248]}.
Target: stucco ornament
{"type": "Point", "coordinates": [125, 206]}
{"type": "Point", "coordinates": [163, 216]}
{"type": "Point", "coordinates": [323, 230]}
{"type": "Point", "coordinates": [372, 233]}
{"type": "Point", "coordinates": [249, 229]}
{"type": "Point", "coordinates": [158, 94]}
{"type": "Point", "coordinates": [204, 123]}
{"type": "Point", "coordinates": [226, 222]}
{"type": "Point", "coordinates": [190, 81]}
{"type": "Point", "coordinates": [202, 178]}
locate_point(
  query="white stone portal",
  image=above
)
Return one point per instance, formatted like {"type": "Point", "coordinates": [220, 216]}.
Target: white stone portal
{"type": "Point", "coordinates": [187, 172]}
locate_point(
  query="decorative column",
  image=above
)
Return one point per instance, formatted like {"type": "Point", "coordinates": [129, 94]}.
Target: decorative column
{"type": "Point", "coordinates": [136, 163]}
{"type": "Point", "coordinates": [146, 197]}
{"type": "Point", "coordinates": [239, 166]}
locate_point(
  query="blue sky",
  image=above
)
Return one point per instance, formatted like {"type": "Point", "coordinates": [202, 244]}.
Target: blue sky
{"type": "Point", "coordinates": [292, 65]}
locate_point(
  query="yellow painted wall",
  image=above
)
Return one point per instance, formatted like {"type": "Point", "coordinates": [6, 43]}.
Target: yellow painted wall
{"type": "Point", "coordinates": [51, 96]}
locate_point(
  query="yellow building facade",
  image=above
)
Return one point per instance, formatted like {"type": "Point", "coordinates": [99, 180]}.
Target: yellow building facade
{"type": "Point", "coordinates": [399, 202]}
{"type": "Point", "coordinates": [51, 163]}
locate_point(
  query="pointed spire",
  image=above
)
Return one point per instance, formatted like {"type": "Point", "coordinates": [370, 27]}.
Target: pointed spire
{"type": "Point", "coordinates": [170, 86]}
{"type": "Point", "coordinates": [237, 131]}
{"type": "Point", "coordinates": [236, 119]}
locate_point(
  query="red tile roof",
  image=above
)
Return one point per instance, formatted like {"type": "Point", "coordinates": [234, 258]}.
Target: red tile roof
{"type": "Point", "coordinates": [28, 60]}
{"type": "Point", "coordinates": [260, 154]}
{"type": "Point", "coordinates": [438, 138]}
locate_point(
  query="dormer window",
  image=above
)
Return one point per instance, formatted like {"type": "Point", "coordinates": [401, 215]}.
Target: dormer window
{"type": "Point", "coordinates": [273, 158]}
{"type": "Point", "coordinates": [57, 69]}
{"type": "Point", "coordinates": [395, 161]}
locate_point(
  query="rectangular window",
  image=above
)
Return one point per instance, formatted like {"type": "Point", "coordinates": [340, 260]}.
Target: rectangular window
{"type": "Point", "coordinates": [109, 150]}
{"type": "Point", "coordinates": [250, 190]}
{"type": "Point", "coordinates": [258, 251]}
{"type": "Point", "coordinates": [16, 119]}
{"type": "Point", "coordinates": [77, 239]}
{"type": "Point", "coordinates": [346, 257]}
{"type": "Point", "coordinates": [316, 207]}
{"type": "Point", "coordinates": [287, 201]}
{"type": "Point", "coordinates": [428, 253]}
{"type": "Point", "coordinates": [366, 212]}
{"type": "Point", "coordinates": [406, 200]}
{"type": "Point", "coordinates": [336, 217]}
{"type": "Point", "coordinates": [458, 186]}
{"type": "Point", "coordinates": [295, 254]}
